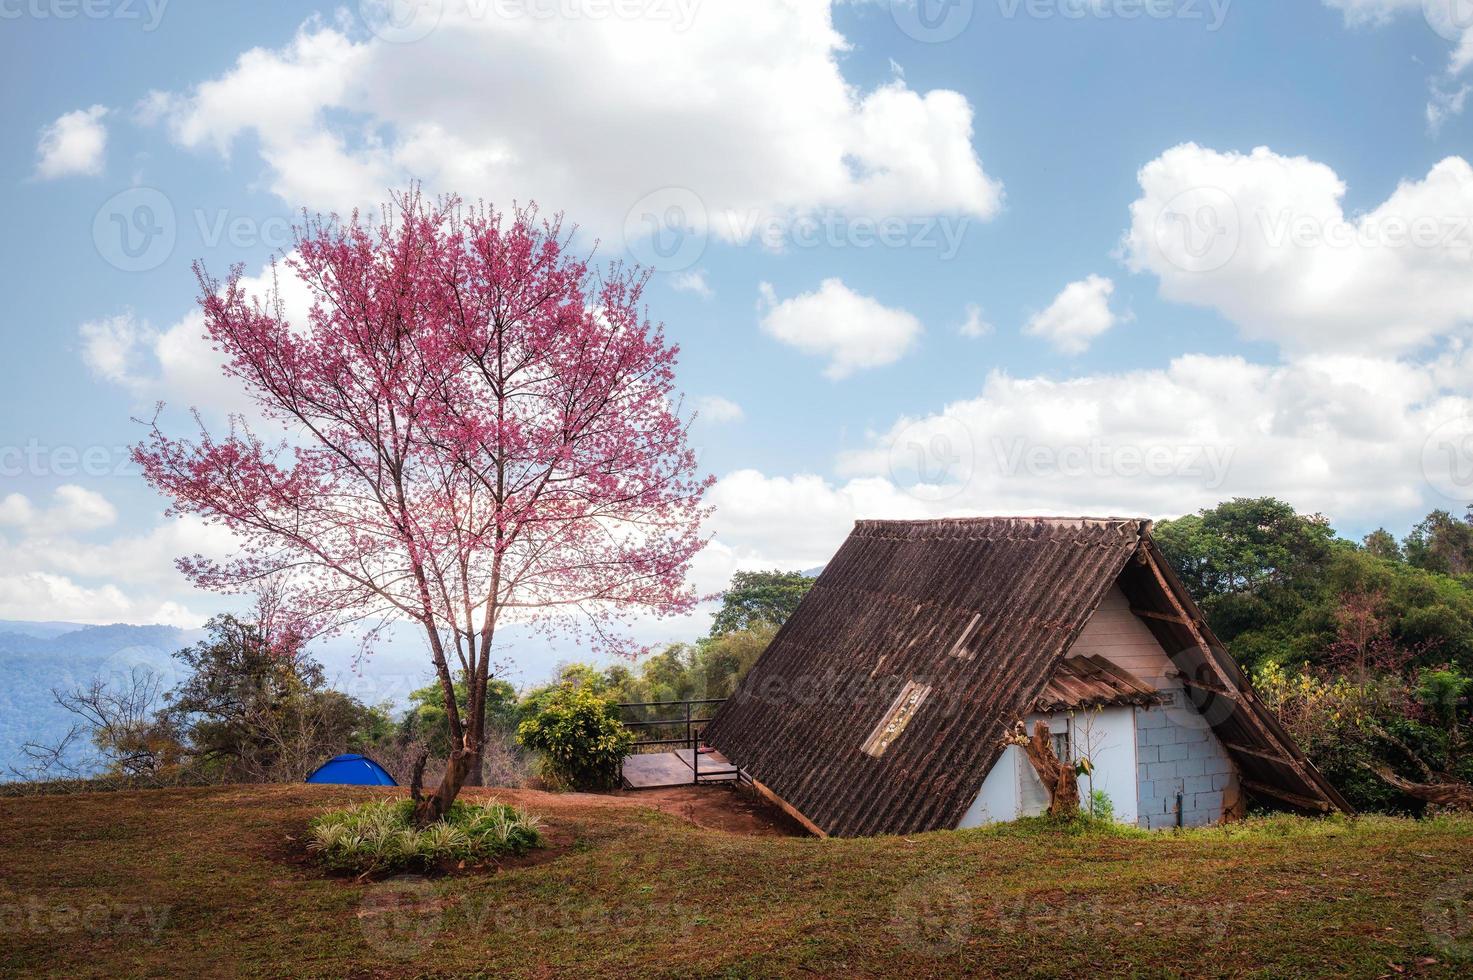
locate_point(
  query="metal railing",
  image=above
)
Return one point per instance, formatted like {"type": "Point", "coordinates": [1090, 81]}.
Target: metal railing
{"type": "Point", "coordinates": [684, 722]}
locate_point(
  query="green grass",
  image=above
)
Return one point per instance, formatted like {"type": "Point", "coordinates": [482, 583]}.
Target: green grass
{"type": "Point", "coordinates": [380, 836]}
{"type": "Point", "coordinates": [217, 881]}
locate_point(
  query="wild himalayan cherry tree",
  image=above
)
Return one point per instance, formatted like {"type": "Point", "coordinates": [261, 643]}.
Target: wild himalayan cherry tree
{"type": "Point", "coordinates": [479, 429]}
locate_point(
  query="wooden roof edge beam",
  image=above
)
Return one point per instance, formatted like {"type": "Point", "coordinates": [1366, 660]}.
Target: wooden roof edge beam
{"type": "Point", "coordinates": [1293, 799]}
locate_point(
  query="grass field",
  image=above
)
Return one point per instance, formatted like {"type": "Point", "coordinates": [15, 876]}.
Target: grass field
{"type": "Point", "coordinates": [212, 882]}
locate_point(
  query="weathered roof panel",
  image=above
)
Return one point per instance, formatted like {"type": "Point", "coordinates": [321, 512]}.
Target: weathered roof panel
{"type": "Point", "coordinates": [980, 610]}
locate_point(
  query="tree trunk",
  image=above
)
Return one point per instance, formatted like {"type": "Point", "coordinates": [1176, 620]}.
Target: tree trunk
{"type": "Point", "coordinates": [428, 809]}
{"type": "Point", "coordinates": [1454, 796]}
{"type": "Point", "coordinates": [1058, 778]}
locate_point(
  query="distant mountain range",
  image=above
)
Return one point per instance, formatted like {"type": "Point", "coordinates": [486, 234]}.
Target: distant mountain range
{"type": "Point", "coordinates": [37, 658]}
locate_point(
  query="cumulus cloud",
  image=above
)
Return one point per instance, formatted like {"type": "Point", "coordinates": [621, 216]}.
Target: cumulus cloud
{"type": "Point", "coordinates": [854, 332]}
{"type": "Point", "coordinates": [178, 363]}
{"type": "Point", "coordinates": [714, 408]}
{"type": "Point", "coordinates": [55, 566]}
{"type": "Point", "coordinates": [1363, 12]}
{"type": "Point", "coordinates": [746, 108]}
{"type": "Point", "coordinates": [692, 282]}
{"type": "Point", "coordinates": [74, 145]}
{"type": "Point", "coordinates": [73, 508]}
{"type": "Point", "coordinates": [1265, 239]}
{"type": "Point", "coordinates": [1079, 314]}
{"type": "Point", "coordinates": [974, 325]}
{"type": "Point", "coordinates": [1339, 434]}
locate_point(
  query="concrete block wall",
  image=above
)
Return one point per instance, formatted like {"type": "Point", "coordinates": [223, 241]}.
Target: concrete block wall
{"type": "Point", "coordinates": [1176, 752]}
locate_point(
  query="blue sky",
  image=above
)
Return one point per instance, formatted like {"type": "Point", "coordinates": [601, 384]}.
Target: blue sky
{"type": "Point", "coordinates": [1062, 142]}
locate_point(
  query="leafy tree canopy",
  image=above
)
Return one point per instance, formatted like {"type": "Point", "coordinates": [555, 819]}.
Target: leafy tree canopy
{"type": "Point", "coordinates": [758, 599]}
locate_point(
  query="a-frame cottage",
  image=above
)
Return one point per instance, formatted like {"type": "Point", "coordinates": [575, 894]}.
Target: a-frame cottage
{"type": "Point", "coordinates": [885, 703]}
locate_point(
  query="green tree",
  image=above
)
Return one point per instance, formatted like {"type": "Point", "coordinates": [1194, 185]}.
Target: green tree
{"type": "Point", "coordinates": [579, 738]}
{"type": "Point", "coordinates": [756, 599]}
{"type": "Point", "coordinates": [1383, 544]}
{"type": "Point", "coordinates": [1248, 561]}
{"type": "Point", "coordinates": [425, 718]}
{"type": "Point", "coordinates": [1442, 543]}
{"type": "Point", "coordinates": [253, 712]}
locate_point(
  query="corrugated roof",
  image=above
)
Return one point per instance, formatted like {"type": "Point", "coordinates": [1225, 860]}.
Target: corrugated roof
{"type": "Point", "coordinates": [1093, 682]}
{"type": "Point", "coordinates": [980, 610]}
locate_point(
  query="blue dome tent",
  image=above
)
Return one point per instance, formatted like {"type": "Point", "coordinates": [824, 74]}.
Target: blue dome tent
{"type": "Point", "coordinates": [351, 770]}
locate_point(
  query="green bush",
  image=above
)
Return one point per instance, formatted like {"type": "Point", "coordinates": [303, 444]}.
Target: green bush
{"type": "Point", "coordinates": [381, 837]}
{"type": "Point", "coordinates": [579, 737]}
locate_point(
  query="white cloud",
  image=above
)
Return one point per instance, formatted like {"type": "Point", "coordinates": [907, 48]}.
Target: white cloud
{"type": "Point", "coordinates": [1372, 12]}
{"type": "Point", "coordinates": [1444, 104]}
{"type": "Point", "coordinates": [854, 332]}
{"type": "Point", "coordinates": [1448, 18]}
{"type": "Point", "coordinates": [714, 408]}
{"type": "Point", "coordinates": [692, 282]}
{"type": "Point", "coordinates": [974, 325]}
{"type": "Point", "coordinates": [746, 107]}
{"type": "Point", "coordinates": [179, 363]}
{"type": "Point", "coordinates": [1077, 315]}
{"type": "Point", "coordinates": [75, 144]}
{"type": "Point", "coordinates": [74, 508]}
{"type": "Point", "coordinates": [1265, 240]}
{"type": "Point", "coordinates": [50, 573]}
{"type": "Point", "coordinates": [1343, 435]}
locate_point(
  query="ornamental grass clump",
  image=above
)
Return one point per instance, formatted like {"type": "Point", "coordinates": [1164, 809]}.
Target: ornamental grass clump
{"type": "Point", "coordinates": [381, 836]}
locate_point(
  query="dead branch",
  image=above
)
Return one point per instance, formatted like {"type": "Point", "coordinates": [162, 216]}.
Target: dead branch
{"type": "Point", "coordinates": [1058, 778]}
{"type": "Point", "coordinates": [1453, 795]}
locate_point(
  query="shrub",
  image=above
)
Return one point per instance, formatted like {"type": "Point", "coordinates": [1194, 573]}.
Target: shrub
{"type": "Point", "coordinates": [579, 737]}
{"type": "Point", "coordinates": [380, 836]}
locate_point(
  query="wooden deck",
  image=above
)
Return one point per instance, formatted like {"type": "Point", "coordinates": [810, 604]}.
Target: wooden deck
{"type": "Point", "coordinates": [656, 770]}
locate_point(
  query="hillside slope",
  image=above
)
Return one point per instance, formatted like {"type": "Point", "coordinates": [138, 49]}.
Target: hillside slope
{"type": "Point", "coordinates": [207, 882]}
